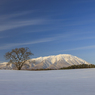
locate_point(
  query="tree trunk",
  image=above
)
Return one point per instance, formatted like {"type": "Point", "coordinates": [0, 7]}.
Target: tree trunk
{"type": "Point", "coordinates": [19, 68]}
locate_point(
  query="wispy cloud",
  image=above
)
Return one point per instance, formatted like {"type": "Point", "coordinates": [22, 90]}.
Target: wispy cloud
{"type": "Point", "coordinates": [11, 21]}
{"type": "Point", "coordinates": [13, 15]}
{"type": "Point", "coordinates": [15, 24]}
{"type": "Point", "coordinates": [80, 38]}
{"type": "Point", "coordinates": [74, 36]}
{"type": "Point", "coordinates": [49, 39]}
{"type": "Point", "coordinates": [79, 48]}
{"type": "Point", "coordinates": [81, 22]}
{"type": "Point", "coordinates": [11, 45]}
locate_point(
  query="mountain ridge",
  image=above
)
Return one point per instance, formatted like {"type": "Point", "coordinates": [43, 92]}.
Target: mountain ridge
{"type": "Point", "coordinates": [56, 61]}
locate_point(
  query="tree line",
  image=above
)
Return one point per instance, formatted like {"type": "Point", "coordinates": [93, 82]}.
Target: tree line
{"type": "Point", "coordinates": [79, 66]}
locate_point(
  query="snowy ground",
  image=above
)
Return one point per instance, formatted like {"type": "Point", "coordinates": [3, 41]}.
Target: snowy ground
{"type": "Point", "coordinates": [53, 82]}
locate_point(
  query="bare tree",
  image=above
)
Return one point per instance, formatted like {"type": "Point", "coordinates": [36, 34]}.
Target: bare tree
{"type": "Point", "coordinates": [18, 57]}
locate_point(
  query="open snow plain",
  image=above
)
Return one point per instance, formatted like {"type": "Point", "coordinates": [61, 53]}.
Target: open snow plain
{"type": "Point", "coordinates": [53, 82]}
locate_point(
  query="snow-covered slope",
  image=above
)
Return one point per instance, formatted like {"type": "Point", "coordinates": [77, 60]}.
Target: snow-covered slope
{"type": "Point", "coordinates": [5, 66]}
{"type": "Point", "coordinates": [51, 62]}
{"type": "Point", "coordinates": [56, 61]}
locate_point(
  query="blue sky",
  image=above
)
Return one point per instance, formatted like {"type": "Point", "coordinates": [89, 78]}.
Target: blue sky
{"type": "Point", "coordinates": [48, 27]}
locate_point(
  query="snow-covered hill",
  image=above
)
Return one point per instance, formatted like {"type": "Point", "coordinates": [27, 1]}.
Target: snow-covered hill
{"type": "Point", "coordinates": [51, 62]}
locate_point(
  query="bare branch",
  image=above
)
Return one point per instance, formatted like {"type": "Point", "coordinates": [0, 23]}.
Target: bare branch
{"type": "Point", "coordinates": [18, 57]}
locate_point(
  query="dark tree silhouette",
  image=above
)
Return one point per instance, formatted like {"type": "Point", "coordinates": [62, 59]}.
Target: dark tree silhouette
{"type": "Point", "coordinates": [18, 57]}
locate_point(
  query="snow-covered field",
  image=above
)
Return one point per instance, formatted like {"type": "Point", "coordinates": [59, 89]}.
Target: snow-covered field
{"type": "Point", "coordinates": [53, 82]}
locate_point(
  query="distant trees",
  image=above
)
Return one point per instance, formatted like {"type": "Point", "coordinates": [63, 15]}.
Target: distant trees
{"type": "Point", "coordinates": [80, 66]}
{"type": "Point", "coordinates": [18, 57]}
